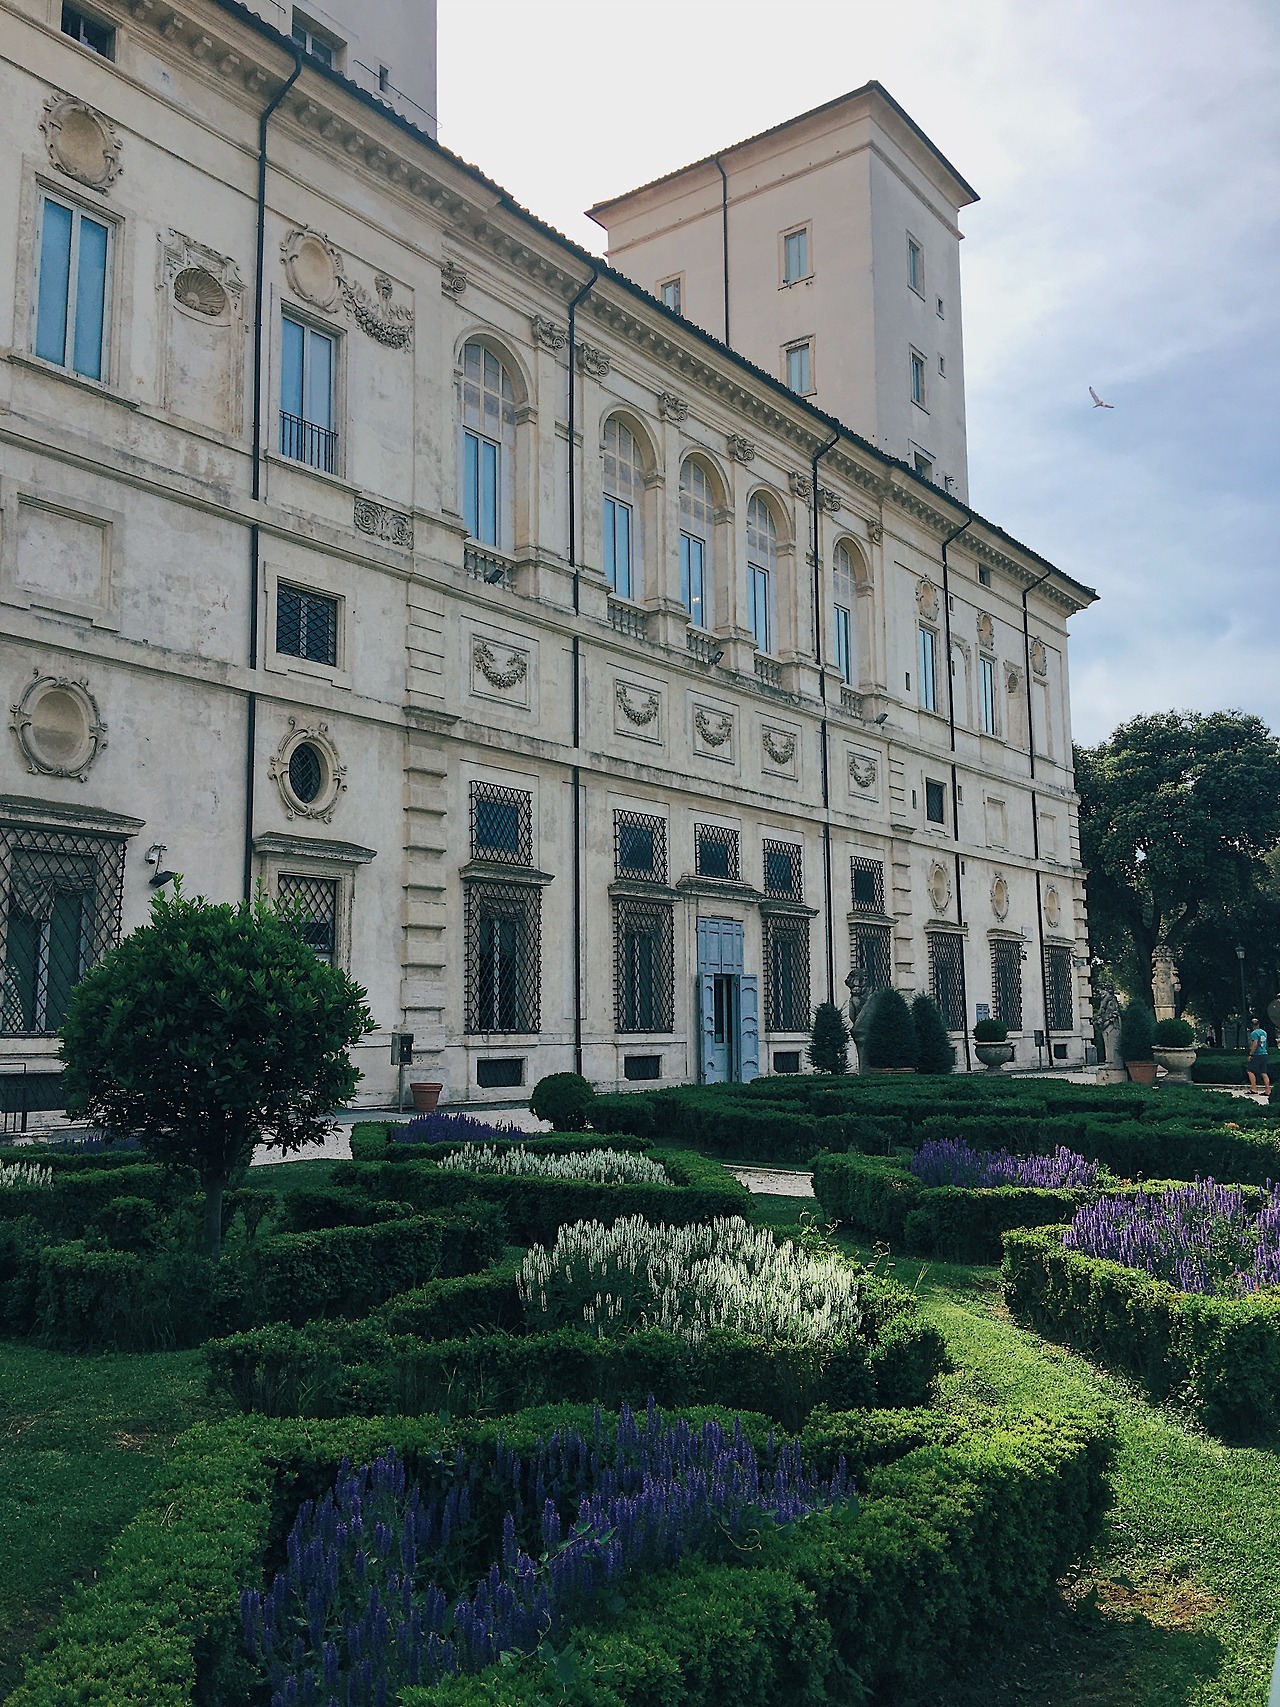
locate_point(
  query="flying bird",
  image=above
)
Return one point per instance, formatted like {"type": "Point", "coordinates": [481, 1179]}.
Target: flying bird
{"type": "Point", "coordinates": [1097, 401]}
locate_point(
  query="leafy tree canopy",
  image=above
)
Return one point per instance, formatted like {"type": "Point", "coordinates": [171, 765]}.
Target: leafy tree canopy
{"type": "Point", "coordinates": [1177, 813]}
{"type": "Point", "coordinates": [208, 1029]}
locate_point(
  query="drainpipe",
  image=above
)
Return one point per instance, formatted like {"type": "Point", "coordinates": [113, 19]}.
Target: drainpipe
{"type": "Point", "coordinates": [822, 689]}
{"type": "Point", "coordinates": [955, 787]}
{"type": "Point", "coordinates": [1035, 807]}
{"type": "Point", "coordinates": [575, 684]}
{"type": "Point", "coordinates": [724, 239]}
{"type": "Point", "coordinates": [255, 552]}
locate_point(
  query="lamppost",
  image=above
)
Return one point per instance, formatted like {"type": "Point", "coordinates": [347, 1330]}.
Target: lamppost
{"type": "Point", "coordinates": [1244, 1000]}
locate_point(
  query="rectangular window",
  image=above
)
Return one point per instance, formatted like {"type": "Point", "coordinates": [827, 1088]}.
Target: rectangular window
{"type": "Point", "coordinates": [481, 463]}
{"type": "Point", "coordinates": [786, 1060]}
{"type": "Point", "coordinates": [917, 378]}
{"type": "Point", "coordinates": [306, 625]}
{"type": "Point", "coordinates": [868, 883]}
{"type": "Point", "coordinates": [915, 266]}
{"type": "Point", "coordinates": [73, 289]}
{"type": "Point", "coordinates": [942, 309]}
{"type": "Point", "coordinates": [62, 914]}
{"type": "Point", "coordinates": [844, 642]}
{"type": "Point", "coordinates": [935, 802]}
{"type": "Point", "coordinates": [500, 1072]}
{"type": "Point", "coordinates": [693, 562]}
{"type": "Point", "coordinates": [669, 291]}
{"type": "Point", "coordinates": [640, 847]}
{"type": "Point", "coordinates": [928, 669]}
{"type": "Point", "coordinates": [307, 368]}
{"type": "Point", "coordinates": [1058, 978]}
{"type": "Point", "coordinates": [100, 38]}
{"type": "Point", "coordinates": [942, 366]}
{"type": "Point", "coordinates": [644, 965]}
{"type": "Point", "coordinates": [501, 824]}
{"type": "Point", "coordinates": [795, 256]}
{"type": "Point", "coordinates": [800, 369]}
{"type": "Point", "coordinates": [313, 902]}
{"type": "Point", "coordinates": [984, 576]}
{"type": "Point", "coordinates": [312, 41]}
{"type": "Point", "coordinates": [1006, 983]}
{"type": "Point", "coordinates": [786, 973]}
{"type": "Point", "coordinates": [617, 545]}
{"type": "Point", "coordinates": [784, 870]}
{"type": "Point", "coordinates": [503, 950]}
{"type": "Point", "coordinates": [922, 464]}
{"type": "Point", "coordinates": [987, 695]}
{"type": "Point", "coordinates": [946, 975]}
{"type": "Point", "coordinates": [759, 594]}
{"type": "Point", "coordinates": [871, 954]}
{"type": "Point", "coordinates": [716, 852]}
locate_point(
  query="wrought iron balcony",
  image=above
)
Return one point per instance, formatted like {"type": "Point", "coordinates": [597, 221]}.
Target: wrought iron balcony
{"type": "Point", "coordinates": [304, 441]}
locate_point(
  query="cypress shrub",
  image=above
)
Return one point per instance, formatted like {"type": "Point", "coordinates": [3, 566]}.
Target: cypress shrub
{"type": "Point", "coordinates": [934, 1053]}
{"type": "Point", "coordinates": [829, 1040]}
{"type": "Point", "coordinates": [1137, 1032]}
{"type": "Point", "coordinates": [890, 1039]}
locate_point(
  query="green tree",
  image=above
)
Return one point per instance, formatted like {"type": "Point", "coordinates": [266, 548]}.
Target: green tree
{"type": "Point", "coordinates": [1177, 814]}
{"type": "Point", "coordinates": [889, 1039]}
{"type": "Point", "coordinates": [1209, 968]}
{"type": "Point", "coordinates": [207, 1030]}
{"type": "Point", "coordinates": [1137, 1032]}
{"type": "Point", "coordinates": [564, 1099]}
{"type": "Point", "coordinates": [829, 1040]}
{"type": "Point", "coordinates": [934, 1053]}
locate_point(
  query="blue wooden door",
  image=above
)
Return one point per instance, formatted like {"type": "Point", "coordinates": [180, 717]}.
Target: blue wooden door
{"type": "Point", "coordinates": [728, 1005]}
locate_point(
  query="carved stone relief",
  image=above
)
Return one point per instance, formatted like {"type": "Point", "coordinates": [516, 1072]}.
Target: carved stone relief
{"type": "Point", "coordinates": [380, 521]}
{"type": "Point", "coordinates": [58, 726]}
{"type": "Point", "coordinates": [593, 361]}
{"type": "Point", "coordinates": [1000, 896]}
{"type": "Point", "coordinates": [81, 142]}
{"type": "Point", "coordinates": [713, 732]}
{"type": "Point", "coordinates": [1012, 679]}
{"type": "Point", "coordinates": [316, 275]}
{"type": "Point", "coordinates": [637, 711]}
{"type": "Point", "coordinates": [740, 449]}
{"type": "Point", "coordinates": [779, 747]}
{"type": "Point", "coordinates": [1039, 658]}
{"type": "Point", "coordinates": [202, 354]}
{"type": "Point", "coordinates": [939, 887]}
{"type": "Point", "coordinates": [500, 674]}
{"type": "Point", "coordinates": [548, 334]}
{"type": "Point", "coordinates": [875, 532]}
{"type": "Point", "coordinates": [387, 322]}
{"type": "Point", "coordinates": [927, 602]}
{"type": "Point", "coordinates": [639, 714]}
{"type": "Point", "coordinates": [1052, 908]}
{"type": "Point", "coordinates": [308, 772]}
{"type": "Point", "coordinates": [671, 407]}
{"type": "Point", "coordinates": [453, 279]}
{"type": "Point", "coordinates": [986, 632]}
{"type": "Point", "coordinates": [801, 484]}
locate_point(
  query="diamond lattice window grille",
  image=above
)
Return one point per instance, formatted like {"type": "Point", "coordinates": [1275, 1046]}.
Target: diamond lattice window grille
{"type": "Point", "coordinates": [503, 957]}
{"type": "Point", "coordinates": [306, 625]}
{"type": "Point", "coordinates": [643, 965]}
{"type": "Point", "coordinates": [1006, 983]}
{"type": "Point", "coordinates": [946, 975]}
{"type": "Point", "coordinates": [716, 852]}
{"type": "Point", "coordinates": [313, 903]}
{"type": "Point", "coordinates": [786, 974]}
{"type": "Point", "coordinates": [1059, 978]}
{"type": "Point", "coordinates": [640, 846]}
{"type": "Point", "coordinates": [62, 899]}
{"type": "Point", "coordinates": [783, 870]}
{"type": "Point", "coordinates": [867, 879]}
{"type": "Point", "coordinates": [501, 824]}
{"type": "Point", "coordinates": [871, 953]}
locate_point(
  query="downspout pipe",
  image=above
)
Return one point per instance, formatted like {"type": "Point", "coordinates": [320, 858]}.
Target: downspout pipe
{"type": "Point", "coordinates": [255, 482]}
{"type": "Point", "coordinates": [724, 241]}
{"type": "Point", "coordinates": [818, 636]}
{"type": "Point", "coordinates": [1035, 805]}
{"type": "Point", "coordinates": [955, 785]}
{"type": "Point", "coordinates": [576, 677]}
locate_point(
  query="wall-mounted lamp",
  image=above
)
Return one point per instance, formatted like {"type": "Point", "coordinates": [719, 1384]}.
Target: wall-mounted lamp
{"type": "Point", "coordinates": [493, 576]}
{"type": "Point", "coordinates": [158, 879]}
{"type": "Point", "coordinates": [883, 718]}
{"type": "Point", "coordinates": [716, 657]}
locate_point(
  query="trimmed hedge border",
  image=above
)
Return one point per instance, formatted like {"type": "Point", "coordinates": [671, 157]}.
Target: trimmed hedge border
{"type": "Point", "coordinates": [965, 1523]}
{"type": "Point", "coordinates": [1218, 1356]}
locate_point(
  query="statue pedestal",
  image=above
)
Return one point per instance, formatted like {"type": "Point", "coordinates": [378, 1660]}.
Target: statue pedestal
{"type": "Point", "coordinates": [1108, 1075]}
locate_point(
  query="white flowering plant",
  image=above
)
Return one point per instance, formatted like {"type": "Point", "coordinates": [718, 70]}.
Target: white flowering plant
{"type": "Point", "coordinates": [690, 1281]}
{"type": "Point", "coordinates": [600, 1167]}
{"type": "Point", "coordinates": [15, 1174]}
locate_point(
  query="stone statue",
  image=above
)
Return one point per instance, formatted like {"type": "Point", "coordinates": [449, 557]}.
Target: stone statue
{"type": "Point", "coordinates": [1165, 983]}
{"type": "Point", "coordinates": [1108, 1018]}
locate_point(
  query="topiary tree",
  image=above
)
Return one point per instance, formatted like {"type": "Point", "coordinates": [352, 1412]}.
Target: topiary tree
{"type": "Point", "coordinates": [990, 1031]}
{"type": "Point", "coordinates": [208, 1029]}
{"type": "Point", "coordinates": [1173, 1034]}
{"type": "Point", "coordinates": [829, 1040]}
{"type": "Point", "coordinates": [563, 1099]}
{"type": "Point", "coordinates": [1137, 1032]}
{"type": "Point", "coordinates": [889, 1039]}
{"type": "Point", "coordinates": [934, 1053]}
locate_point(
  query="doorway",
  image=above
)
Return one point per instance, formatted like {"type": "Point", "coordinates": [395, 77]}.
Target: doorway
{"type": "Point", "coordinates": [728, 1006]}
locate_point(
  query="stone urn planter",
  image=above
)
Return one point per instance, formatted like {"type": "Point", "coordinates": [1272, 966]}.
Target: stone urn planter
{"type": "Point", "coordinates": [425, 1096]}
{"type": "Point", "coordinates": [1141, 1072]}
{"type": "Point", "coordinates": [993, 1055]}
{"type": "Point", "coordinates": [1177, 1063]}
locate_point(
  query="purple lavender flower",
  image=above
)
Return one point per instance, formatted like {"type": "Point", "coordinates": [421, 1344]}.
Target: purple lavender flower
{"type": "Point", "coordinates": [1199, 1238]}
{"type": "Point", "coordinates": [443, 1128]}
{"type": "Point", "coordinates": [950, 1161]}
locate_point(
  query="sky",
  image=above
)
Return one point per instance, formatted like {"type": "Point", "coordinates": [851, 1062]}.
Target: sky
{"type": "Point", "coordinates": [1128, 237]}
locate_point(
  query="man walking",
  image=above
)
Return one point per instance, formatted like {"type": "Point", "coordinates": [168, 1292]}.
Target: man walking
{"type": "Point", "coordinates": [1256, 1061]}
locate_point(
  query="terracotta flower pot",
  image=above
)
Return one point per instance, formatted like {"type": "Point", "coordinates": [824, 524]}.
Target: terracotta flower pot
{"type": "Point", "coordinates": [426, 1096]}
{"type": "Point", "coordinates": [1141, 1072]}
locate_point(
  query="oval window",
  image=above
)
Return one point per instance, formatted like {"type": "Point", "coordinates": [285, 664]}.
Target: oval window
{"type": "Point", "coordinates": [306, 772]}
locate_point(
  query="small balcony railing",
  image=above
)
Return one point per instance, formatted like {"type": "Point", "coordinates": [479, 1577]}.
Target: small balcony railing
{"type": "Point", "coordinates": [627, 619]}
{"type": "Point", "coordinates": [482, 564]}
{"type": "Point", "coordinates": [768, 671]}
{"type": "Point", "coordinates": [851, 701]}
{"type": "Point", "coordinates": [304, 441]}
{"type": "Point", "coordinates": [703, 647]}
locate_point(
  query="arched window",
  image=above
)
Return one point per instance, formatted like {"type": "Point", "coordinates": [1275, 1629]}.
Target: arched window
{"type": "Point", "coordinates": [488, 445]}
{"type": "Point", "coordinates": [697, 520]}
{"type": "Point", "coordinates": [623, 495]}
{"type": "Point", "coordinates": [762, 571]}
{"type": "Point", "coordinates": [845, 592]}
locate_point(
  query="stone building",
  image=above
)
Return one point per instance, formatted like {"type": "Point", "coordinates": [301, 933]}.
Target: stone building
{"type": "Point", "coordinates": [599, 700]}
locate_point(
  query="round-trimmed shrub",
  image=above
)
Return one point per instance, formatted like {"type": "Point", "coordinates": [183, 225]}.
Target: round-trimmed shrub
{"type": "Point", "coordinates": [1137, 1032]}
{"type": "Point", "coordinates": [934, 1053]}
{"type": "Point", "coordinates": [890, 1037]}
{"type": "Point", "coordinates": [990, 1031]}
{"type": "Point", "coordinates": [1174, 1034]}
{"type": "Point", "coordinates": [564, 1099]}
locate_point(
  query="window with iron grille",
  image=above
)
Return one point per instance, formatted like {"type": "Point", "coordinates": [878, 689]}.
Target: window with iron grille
{"type": "Point", "coordinates": [501, 824]}
{"type": "Point", "coordinates": [1006, 983]}
{"type": "Point", "coordinates": [640, 847]}
{"type": "Point", "coordinates": [868, 883]}
{"type": "Point", "coordinates": [313, 903]}
{"type": "Point", "coordinates": [946, 975]}
{"type": "Point", "coordinates": [643, 965]}
{"type": "Point", "coordinates": [717, 852]}
{"type": "Point", "coordinates": [306, 625]}
{"type": "Point", "coordinates": [786, 973]}
{"type": "Point", "coordinates": [1058, 979]}
{"type": "Point", "coordinates": [871, 952]}
{"type": "Point", "coordinates": [504, 956]}
{"type": "Point", "coordinates": [935, 802]}
{"type": "Point", "coordinates": [783, 870]}
{"type": "Point", "coordinates": [63, 896]}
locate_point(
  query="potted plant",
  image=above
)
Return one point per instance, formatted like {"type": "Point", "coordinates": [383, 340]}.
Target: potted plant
{"type": "Point", "coordinates": [426, 1094]}
{"type": "Point", "coordinates": [1174, 1047]}
{"type": "Point", "coordinates": [991, 1045]}
{"type": "Point", "coordinates": [1137, 1039]}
